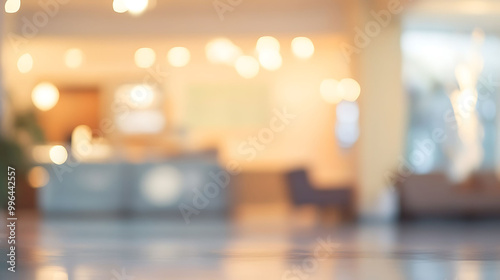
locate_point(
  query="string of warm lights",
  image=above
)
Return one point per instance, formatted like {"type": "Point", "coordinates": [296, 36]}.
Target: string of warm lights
{"type": "Point", "coordinates": [218, 51]}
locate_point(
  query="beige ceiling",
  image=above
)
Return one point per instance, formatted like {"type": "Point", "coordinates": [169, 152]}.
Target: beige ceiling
{"type": "Point", "coordinates": [97, 18]}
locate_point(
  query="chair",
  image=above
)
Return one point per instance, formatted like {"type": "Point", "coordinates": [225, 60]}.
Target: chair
{"type": "Point", "coordinates": [302, 193]}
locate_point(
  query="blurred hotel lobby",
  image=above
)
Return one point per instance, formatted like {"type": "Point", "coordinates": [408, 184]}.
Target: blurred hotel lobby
{"type": "Point", "coordinates": [238, 139]}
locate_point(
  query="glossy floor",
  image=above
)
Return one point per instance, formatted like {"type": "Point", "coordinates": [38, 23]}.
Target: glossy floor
{"type": "Point", "coordinates": [140, 249]}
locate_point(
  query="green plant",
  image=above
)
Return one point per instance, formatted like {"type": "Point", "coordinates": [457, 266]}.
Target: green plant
{"type": "Point", "coordinates": [13, 153]}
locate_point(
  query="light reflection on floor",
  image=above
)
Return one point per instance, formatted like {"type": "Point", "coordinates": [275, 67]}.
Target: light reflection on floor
{"type": "Point", "coordinates": [213, 249]}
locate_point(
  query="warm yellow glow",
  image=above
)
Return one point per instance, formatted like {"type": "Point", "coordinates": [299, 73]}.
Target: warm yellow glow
{"type": "Point", "coordinates": [178, 56]}
{"type": "Point", "coordinates": [136, 7]}
{"type": "Point", "coordinates": [464, 103]}
{"type": "Point", "coordinates": [302, 47]}
{"type": "Point", "coordinates": [58, 154]}
{"type": "Point", "coordinates": [51, 272]}
{"type": "Point", "coordinates": [267, 43]}
{"type": "Point", "coordinates": [60, 275]}
{"type": "Point", "coordinates": [247, 67]}
{"type": "Point", "coordinates": [328, 91]}
{"type": "Point", "coordinates": [82, 131]}
{"type": "Point", "coordinates": [142, 96]}
{"type": "Point", "coordinates": [270, 60]}
{"type": "Point", "coordinates": [268, 50]}
{"type": "Point", "coordinates": [45, 96]}
{"type": "Point", "coordinates": [81, 144]}
{"type": "Point", "coordinates": [349, 89]}
{"type": "Point", "coordinates": [119, 6]}
{"type": "Point", "coordinates": [465, 76]}
{"type": "Point", "coordinates": [467, 153]}
{"type": "Point", "coordinates": [73, 58]}
{"type": "Point", "coordinates": [38, 177]}
{"type": "Point", "coordinates": [12, 6]}
{"type": "Point", "coordinates": [137, 96]}
{"type": "Point", "coordinates": [25, 63]}
{"type": "Point", "coordinates": [222, 51]}
{"type": "Point", "coordinates": [145, 57]}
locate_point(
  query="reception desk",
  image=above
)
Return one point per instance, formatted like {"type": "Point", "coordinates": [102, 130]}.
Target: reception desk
{"type": "Point", "coordinates": [179, 187]}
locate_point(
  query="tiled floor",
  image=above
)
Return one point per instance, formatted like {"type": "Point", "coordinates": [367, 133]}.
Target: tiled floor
{"type": "Point", "coordinates": [140, 249]}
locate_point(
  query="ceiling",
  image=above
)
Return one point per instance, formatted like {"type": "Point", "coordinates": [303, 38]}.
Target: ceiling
{"type": "Point", "coordinates": [97, 18]}
{"type": "Point", "coordinates": [454, 15]}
